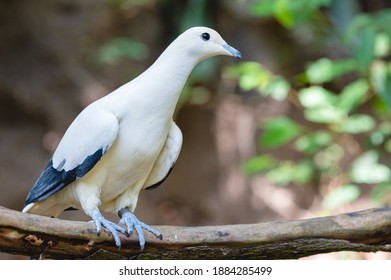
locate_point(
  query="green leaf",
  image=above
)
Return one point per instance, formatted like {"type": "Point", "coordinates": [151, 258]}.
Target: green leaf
{"type": "Point", "coordinates": [325, 70]}
{"type": "Point", "coordinates": [258, 164]}
{"type": "Point", "coordinates": [385, 128]}
{"type": "Point", "coordinates": [250, 81]}
{"type": "Point", "coordinates": [279, 131]}
{"type": "Point", "coordinates": [329, 157]}
{"type": "Point", "coordinates": [382, 21]}
{"type": "Point", "coordinates": [354, 124]}
{"type": "Point", "coordinates": [325, 107]}
{"type": "Point", "coordinates": [320, 71]}
{"type": "Point", "coordinates": [314, 97]}
{"type": "Point", "coordinates": [380, 193]}
{"type": "Point", "coordinates": [367, 170]}
{"type": "Point", "coordinates": [387, 146]}
{"type": "Point", "coordinates": [288, 13]}
{"type": "Point", "coordinates": [121, 47]}
{"type": "Point", "coordinates": [283, 13]}
{"type": "Point", "coordinates": [252, 75]}
{"type": "Point", "coordinates": [353, 95]}
{"type": "Point", "coordinates": [358, 23]}
{"type": "Point", "coordinates": [365, 48]}
{"type": "Point", "coordinates": [282, 175]}
{"type": "Point", "coordinates": [238, 69]}
{"type": "Point", "coordinates": [380, 75]}
{"type": "Point", "coordinates": [382, 44]}
{"type": "Point", "coordinates": [320, 105]}
{"type": "Point", "coordinates": [263, 8]}
{"type": "Point", "coordinates": [328, 115]}
{"type": "Point", "coordinates": [254, 79]}
{"type": "Point", "coordinates": [311, 143]}
{"type": "Point", "coordinates": [290, 172]}
{"type": "Point", "coordinates": [304, 172]}
{"type": "Point", "coordinates": [278, 88]}
{"type": "Point", "coordinates": [340, 196]}
{"type": "Point", "coordinates": [361, 34]}
{"type": "Point", "coordinates": [376, 138]}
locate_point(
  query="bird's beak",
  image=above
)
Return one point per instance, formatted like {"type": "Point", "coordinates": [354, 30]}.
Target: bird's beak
{"type": "Point", "coordinates": [234, 52]}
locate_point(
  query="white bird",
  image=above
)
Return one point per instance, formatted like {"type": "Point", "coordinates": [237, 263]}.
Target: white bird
{"type": "Point", "coordinates": [124, 142]}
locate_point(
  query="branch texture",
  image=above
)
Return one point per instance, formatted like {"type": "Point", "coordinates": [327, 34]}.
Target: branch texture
{"type": "Point", "coordinates": [38, 236]}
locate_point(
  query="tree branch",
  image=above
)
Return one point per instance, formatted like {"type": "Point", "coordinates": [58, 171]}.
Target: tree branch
{"type": "Point", "coordinates": [364, 231]}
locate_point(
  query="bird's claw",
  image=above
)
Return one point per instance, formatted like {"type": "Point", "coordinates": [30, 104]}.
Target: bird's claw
{"type": "Point", "coordinates": [110, 226]}
{"type": "Point", "coordinates": [130, 221]}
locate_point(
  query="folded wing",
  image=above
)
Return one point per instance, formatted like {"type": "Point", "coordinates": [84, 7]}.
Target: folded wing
{"type": "Point", "coordinates": [84, 143]}
{"type": "Point", "coordinates": [166, 159]}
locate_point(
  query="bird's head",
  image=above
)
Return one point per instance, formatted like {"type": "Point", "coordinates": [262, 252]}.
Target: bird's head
{"type": "Point", "coordinates": [203, 42]}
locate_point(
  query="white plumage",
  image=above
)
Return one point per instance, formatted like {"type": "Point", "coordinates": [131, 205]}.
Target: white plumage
{"type": "Point", "coordinates": [125, 141]}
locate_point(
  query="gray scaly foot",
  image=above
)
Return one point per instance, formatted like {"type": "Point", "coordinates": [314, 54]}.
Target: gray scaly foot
{"type": "Point", "coordinates": [130, 221]}
{"type": "Point", "coordinates": [110, 226]}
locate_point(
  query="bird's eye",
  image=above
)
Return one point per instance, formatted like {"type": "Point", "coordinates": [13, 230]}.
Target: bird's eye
{"type": "Point", "coordinates": [205, 36]}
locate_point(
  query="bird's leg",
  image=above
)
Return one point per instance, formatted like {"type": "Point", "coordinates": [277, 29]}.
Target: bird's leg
{"type": "Point", "coordinates": [131, 221]}
{"type": "Point", "coordinates": [110, 226]}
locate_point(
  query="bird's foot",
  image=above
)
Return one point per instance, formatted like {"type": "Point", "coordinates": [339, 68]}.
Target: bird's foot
{"type": "Point", "coordinates": [130, 221]}
{"type": "Point", "coordinates": [110, 226]}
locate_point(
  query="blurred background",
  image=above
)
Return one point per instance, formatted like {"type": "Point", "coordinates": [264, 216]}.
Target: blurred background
{"type": "Point", "coordinates": [299, 128]}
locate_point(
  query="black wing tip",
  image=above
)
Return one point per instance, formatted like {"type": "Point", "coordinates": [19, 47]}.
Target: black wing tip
{"type": "Point", "coordinates": [158, 184]}
{"type": "Point", "coordinates": [53, 180]}
{"type": "Point", "coordinates": [49, 182]}
{"type": "Point", "coordinates": [71, 209]}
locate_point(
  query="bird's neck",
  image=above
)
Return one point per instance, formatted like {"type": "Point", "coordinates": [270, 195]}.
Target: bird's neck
{"type": "Point", "coordinates": [156, 91]}
{"type": "Point", "coordinates": [167, 77]}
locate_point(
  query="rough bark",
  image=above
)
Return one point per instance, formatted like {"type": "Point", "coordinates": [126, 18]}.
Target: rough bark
{"type": "Point", "coordinates": [37, 236]}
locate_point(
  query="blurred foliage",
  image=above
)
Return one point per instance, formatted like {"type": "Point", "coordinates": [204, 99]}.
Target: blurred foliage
{"type": "Point", "coordinates": [343, 137]}
{"type": "Point", "coordinates": [289, 13]}
{"type": "Point", "coordinates": [183, 16]}
{"type": "Point", "coordinates": [120, 47]}
{"type": "Point", "coordinates": [197, 13]}
{"type": "Point", "coordinates": [117, 48]}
